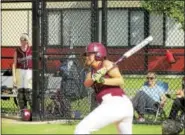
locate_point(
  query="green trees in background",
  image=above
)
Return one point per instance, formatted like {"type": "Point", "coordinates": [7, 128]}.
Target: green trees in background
{"type": "Point", "coordinates": [172, 8]}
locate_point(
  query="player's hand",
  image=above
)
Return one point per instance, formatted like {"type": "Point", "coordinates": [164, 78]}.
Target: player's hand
{"type": "Point", "coordinates": [102, 71]}
{"type": "Point", "coordinates": [14, 90]}
{"type": "Point", "coordinates": [100, 80]}
{"type": "Point", "coordinates": [14, 82]}
{"type": "Point", "coordinates": [97, 77]}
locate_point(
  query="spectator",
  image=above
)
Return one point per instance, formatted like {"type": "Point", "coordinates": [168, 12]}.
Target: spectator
{"type": "Point", "coordinates": [178, 105]}
{"type": "Point", "coordinates": [174, 124]}
{"type": "Point", "coordinates": [22, 72]}
{"type": "Point", "coordinates": [148, 96]}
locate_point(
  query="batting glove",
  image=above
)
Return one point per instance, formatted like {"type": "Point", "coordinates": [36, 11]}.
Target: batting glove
{"type": "Point", "coordinates": [101, 80]}
{"type": "Point", "coordinates": [102, 71]}
{"type": "Point", "coordinates": [97, 78]}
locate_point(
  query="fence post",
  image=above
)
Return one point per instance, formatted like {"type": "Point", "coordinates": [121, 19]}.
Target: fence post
{"type": "Point", "coordinates": [104, 22]}
{"type": "Point", "coordinates": [94, 21]}
{"type": "Point", "coordinates": [35, 53]}
{"type": "Point", "coordinates": [43, 58]}
{"type": "Point", "coordinates": [146, 34]}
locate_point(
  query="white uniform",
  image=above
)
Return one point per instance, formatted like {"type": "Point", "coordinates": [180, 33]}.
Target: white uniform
{"type": "Point", "coordinates": [24, 69]}
{"type": "Point", "coordinates": [113, 109]}
{"type": "Point", "coordinates": [24, 78]}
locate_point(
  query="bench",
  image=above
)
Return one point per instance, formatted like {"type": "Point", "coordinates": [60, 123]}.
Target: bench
{"type": "Point", "coordinates": [7, 81]}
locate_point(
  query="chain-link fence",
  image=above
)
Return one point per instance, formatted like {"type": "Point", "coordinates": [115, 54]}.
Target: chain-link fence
{"type": "Point", "coordinates": [66, 27]}
{"type": "Point", "coordinates": [16, 19]}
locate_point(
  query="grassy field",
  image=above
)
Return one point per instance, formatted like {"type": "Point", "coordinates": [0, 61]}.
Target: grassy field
{"type": "Point", "coordinates": [131, 87]}
{"type": "Point", "coordinates": [9, 127]}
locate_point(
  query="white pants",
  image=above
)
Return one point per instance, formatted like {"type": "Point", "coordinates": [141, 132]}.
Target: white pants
{"type": "Point", "coordinates": [113, 109]}
{"type": "Point", "coordinates": [24, 78]}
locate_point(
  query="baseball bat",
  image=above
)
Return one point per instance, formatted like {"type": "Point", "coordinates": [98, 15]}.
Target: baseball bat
{"type": "Point", "coordinates": [132, 51]}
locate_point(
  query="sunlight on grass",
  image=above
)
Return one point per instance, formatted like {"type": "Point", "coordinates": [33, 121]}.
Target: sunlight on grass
{"type": "Point", "coordinates": [69, 129]}
{"type": "Point", "coordinates": [13, 128]}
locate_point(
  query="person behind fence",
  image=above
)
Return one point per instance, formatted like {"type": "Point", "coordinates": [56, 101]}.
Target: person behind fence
{"type": "Point", "coordinates": [148, 96]}
{"type": "Point", "coordinates": [175, 122]}
{"type": "Point", "coordinates": [22, 72]}
{"type": "Point", "coordinates": [178, 105]}
{"type": "Point", "coordinates": [114, 106]}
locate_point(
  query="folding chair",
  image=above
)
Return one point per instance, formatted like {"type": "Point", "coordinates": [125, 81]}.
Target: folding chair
{"type": "Point", "coordinates": [158, 110]}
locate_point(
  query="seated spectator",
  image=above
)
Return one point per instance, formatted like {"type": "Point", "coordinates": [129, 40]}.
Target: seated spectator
{"type": "Point", "coordinates": [148, 96]}
{"type": "Point", "coordinates": [175, 122]}
{"type": "Point", "coordinates": [178, 105]}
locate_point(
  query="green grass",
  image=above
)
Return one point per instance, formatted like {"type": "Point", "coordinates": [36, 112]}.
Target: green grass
{"type": "Point", "coordinates": [135, 84]}
{"type": "Point", "coordinates": [12, 128]}
{"type": "Point", "coordinates": [131, 86]}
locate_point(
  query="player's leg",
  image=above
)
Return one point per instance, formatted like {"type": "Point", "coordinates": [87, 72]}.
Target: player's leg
{"type": "Point", "coordinates": [20, 97]}
{"type": "Point", "coordinates": [20, 87]}
{"type": "Point", "coordinates": [28, 86]}
{"type": "Point", "coordinates": [125, 125]}
{"type": "Point", "coordinates": [110, 111]}
{"type": "Point", "coordinates": [95, 120]}
{"type": "Point", "coordinates": [28, 96]}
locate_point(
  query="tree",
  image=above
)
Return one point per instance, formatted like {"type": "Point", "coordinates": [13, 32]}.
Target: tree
{"type": "Point", "coordinates": [171, 8]}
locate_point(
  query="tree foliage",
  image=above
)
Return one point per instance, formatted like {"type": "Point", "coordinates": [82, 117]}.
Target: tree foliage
{"type": "Point", "coordinates": [172, 8]}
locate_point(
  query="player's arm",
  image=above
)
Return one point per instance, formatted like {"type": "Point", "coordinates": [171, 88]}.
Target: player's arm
{"type": "Point", "coordinates": [14, 67]}
{"type": "Point", "coordinates": [88, 80]}
{"type": "Point", "coordinates": [116, 78]}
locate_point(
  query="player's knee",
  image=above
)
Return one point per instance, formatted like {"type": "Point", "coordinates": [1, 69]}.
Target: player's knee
{"type": "Point", "coordinates": [81, 129]}
{"type": "Point", "coordinates": [21, 104]}
{"type": "Point", "coordinates": [28, 94]}
{"type": "Point", "coordinates": [125, 127]}
{"type": "Point", "coordinates": [78, 129]}
{"type": "Point", "coordinates": [20, 94]}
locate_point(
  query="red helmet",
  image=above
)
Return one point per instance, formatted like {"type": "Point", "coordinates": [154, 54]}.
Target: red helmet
{"type": "Point", "coordinates": [26, 115]}
{"type": "Point", "coordinates": [97, 48]}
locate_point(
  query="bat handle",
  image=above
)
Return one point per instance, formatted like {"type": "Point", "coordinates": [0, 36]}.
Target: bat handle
{"type": "Point", "coordinates": [115, 63]}
{"type": "Point", "coordinates": [119, 60]}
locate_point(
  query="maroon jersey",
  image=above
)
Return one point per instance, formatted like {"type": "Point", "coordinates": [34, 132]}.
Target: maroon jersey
{"type": "Point", "coordinates": [24, 58]}
{"type": "Point", "coordinates": [102, 90]}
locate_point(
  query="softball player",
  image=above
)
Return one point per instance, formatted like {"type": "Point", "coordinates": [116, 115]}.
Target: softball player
{"type": "Point", "coordinates": [22, 71]}
{"type": "Point", "coordinates": [114, 105]}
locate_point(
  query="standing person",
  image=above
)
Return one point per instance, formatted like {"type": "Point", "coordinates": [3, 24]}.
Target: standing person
{"type": "Point", "coordinates": [22, 72]}
{"type": "Point", "coordinates": [114, 105]}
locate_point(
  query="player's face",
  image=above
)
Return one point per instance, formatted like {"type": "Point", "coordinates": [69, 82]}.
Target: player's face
{"type": "Point", "coordinates": [89, 58]}
{"type": "Point", "coordinates": [23, 42]}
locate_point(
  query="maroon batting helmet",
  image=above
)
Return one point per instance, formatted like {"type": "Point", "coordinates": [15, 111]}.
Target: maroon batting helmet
{"type": "Point", "coordinates": [98, 48]}
{"type": "Point", "coordinates": [26, 115]}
